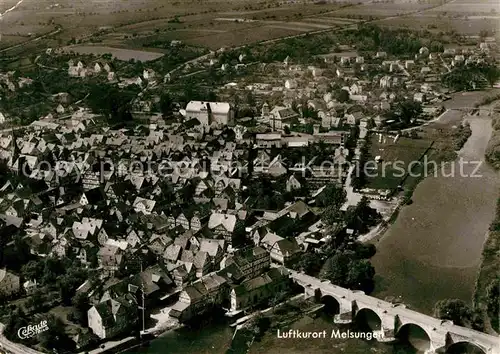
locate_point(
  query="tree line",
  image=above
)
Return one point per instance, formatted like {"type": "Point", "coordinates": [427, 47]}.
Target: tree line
{"type": "Point", "coordinates": [471, 77]}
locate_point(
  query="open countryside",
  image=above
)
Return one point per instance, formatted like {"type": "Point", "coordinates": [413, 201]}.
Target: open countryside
{"type": "Point", "coordinates": [242, 21]}
{"type": "Point", "coordinates": [163, 184]}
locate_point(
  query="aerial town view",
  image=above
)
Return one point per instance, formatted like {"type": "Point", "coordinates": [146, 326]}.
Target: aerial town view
{"type": "Point", "coordinates": [250, 176]}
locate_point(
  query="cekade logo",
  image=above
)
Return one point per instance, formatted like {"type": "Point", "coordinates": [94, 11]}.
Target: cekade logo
{"type": "Point", "coordinates": [31, 331]}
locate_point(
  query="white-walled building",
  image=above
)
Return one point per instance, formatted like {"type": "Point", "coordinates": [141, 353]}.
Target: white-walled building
{"type": "Point", "coordinates": [419, 97]}
{"type": "Point", "coordinates": [210, 112]}
{"type": "Point", "coordinates": [290, 84]}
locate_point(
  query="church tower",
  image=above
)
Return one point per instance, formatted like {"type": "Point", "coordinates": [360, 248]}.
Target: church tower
{"type": "Point", "coordinates": [265, 110]}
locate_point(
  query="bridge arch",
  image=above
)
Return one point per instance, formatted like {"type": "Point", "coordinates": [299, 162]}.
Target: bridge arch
{"type": "Point", "coordinates": [414, 335]}
{"type": "Point", "coordinates": [464, 347]}
{"type": "Point", "coordinates": [367, 319]}
{"type": "Point", "coordinates": [332, 305]}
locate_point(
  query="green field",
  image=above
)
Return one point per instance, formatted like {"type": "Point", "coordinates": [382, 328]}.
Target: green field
{"type": "Point", "coordinates": [394, 156]}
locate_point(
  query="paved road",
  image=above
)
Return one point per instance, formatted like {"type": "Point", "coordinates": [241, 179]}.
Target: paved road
{"type": "Point", "coordinates": [352, 198]}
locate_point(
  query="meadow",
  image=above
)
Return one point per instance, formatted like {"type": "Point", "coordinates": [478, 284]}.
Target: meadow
{"type": "Point", "coordinates": [468, 17]}
{"type": "Point", "coordinates": [466, 26]}
{"type": "Point", "coordinates": [379, 9]}
{"type": "Point", "coordinates": [404, 150]}
{"type": "Point", "coordinates": [119, 53]}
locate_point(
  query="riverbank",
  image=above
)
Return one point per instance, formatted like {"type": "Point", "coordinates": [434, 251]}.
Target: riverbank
{"type": "Point", "coordinates": [493, 149]}
{"type": "Point", "coordinates": [489, 271]}
{"type": "Point", "coordinates": [164, 323]}
{"type": "Point", "coordinates": [377, 232]}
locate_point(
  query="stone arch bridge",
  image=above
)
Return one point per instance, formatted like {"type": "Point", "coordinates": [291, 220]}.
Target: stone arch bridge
{"type": "Point", "coordinates": [442, 335]}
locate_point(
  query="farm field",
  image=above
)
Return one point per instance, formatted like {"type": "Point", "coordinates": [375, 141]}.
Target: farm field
{"type": "Point", "coordinates": [214, 30]}
{"type": "Point", "coordinates": [381, 10]}
{"type": "Point", "coordinates": [80, 18]}
{"type": "Point", "coordinates": [214, 37]}
{"type": "Point", "coordinates": [469, 26]}
{"type": "Point", "coordinates": [7, 4]}
{"type": "Point", "coordinates": [119, 53]}
{"type": "Point", "coordinates": [8, 40]}
{"type": "Point", "coordinates": [467, 17]}
{"type": "Point", "coordinates": [184, 35]}
{"type": "Point", "coordinates": [470, 7]}
{"type": "Point", "coordinates": [289, 12]}
{"type": "Point", "coordinates": [331, 20]}
{"type": "Point", "coordinates": [242, 37]}
{"type": "Point", "coordinates": [217, 23]}
{"type": "Point", "coordinates": [404, 151]}
{"type": "Point", "coordinates": [25, 31]}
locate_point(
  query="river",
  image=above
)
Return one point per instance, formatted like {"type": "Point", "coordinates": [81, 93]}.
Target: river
{"type": "Point", "coordinates": [216, 339]}
{"type": "Point", "coordinates": [211, 339]}
{"type": "Point", "coordinates": [433, 250]}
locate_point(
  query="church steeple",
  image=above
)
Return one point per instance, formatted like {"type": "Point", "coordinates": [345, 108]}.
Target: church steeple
{"type": "Point", "coordinates": [209, 113]}
{"type": "Point", "coordinates": [265, 110]}
{"type": "Point", "coordinates": [14, 148]}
